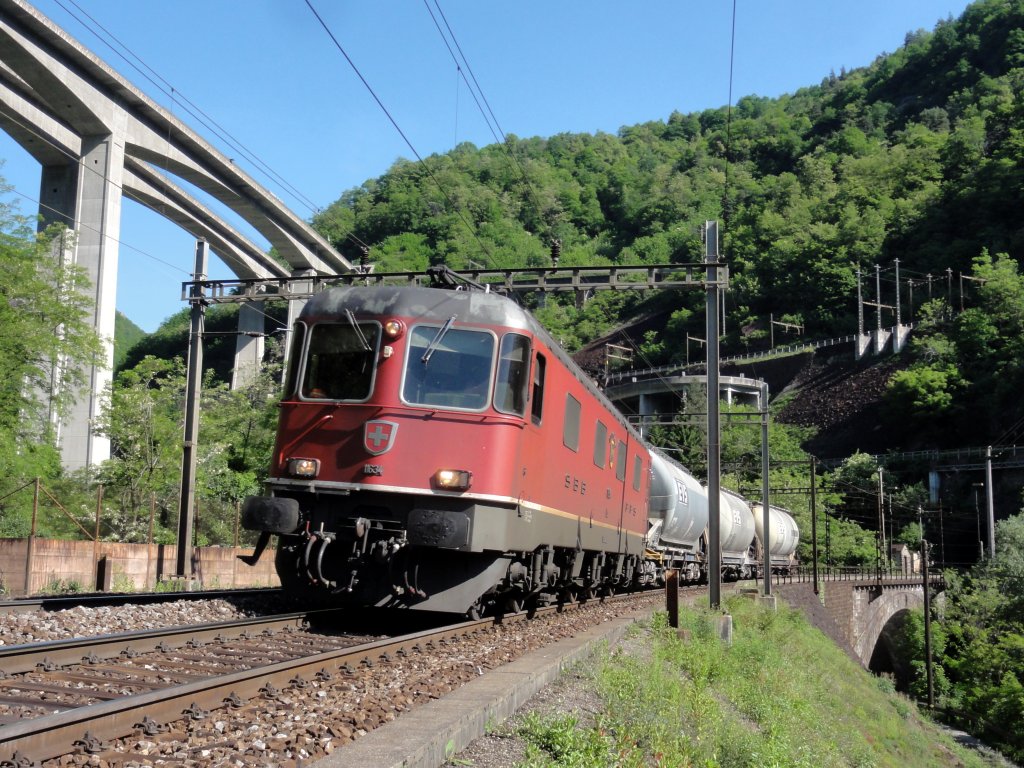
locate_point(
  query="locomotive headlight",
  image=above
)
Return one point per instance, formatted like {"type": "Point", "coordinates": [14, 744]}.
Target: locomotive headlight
{"type": "Point", "coordinates": [394, 328]}
{"type": "Point", "coordinates": [303, 467]}
{"type": "Point", "coordinates": [453, 479]}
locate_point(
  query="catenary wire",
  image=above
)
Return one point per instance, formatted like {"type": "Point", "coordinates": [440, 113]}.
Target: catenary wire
{"type": "Point", "coordinates": [454, 207]}
{"type": "Point", "coordinates": [465, 61]}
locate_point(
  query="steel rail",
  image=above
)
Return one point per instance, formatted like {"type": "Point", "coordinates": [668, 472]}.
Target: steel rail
{"type": "Point", "coordinates": [26, 657]}
{"type": "Point", "coordinates": [51, 736]}
{"type": "Point", "coordinates": [62, 602]}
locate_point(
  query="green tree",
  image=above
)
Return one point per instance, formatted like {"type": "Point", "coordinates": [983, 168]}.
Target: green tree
{"type": "Point", "coordinates": [46, 343]}
{"type": "Point", "coordinates": [984, 657]}
{"type": "Point", "coordinates": [145, 423]}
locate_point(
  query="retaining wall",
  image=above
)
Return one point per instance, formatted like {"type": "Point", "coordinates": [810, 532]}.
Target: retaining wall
{"type": "Point", "coordinates": [34, 566]}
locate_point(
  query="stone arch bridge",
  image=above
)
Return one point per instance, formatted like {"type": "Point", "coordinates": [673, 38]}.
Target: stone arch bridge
{"type": "Point", "coordinates": [862, 615]}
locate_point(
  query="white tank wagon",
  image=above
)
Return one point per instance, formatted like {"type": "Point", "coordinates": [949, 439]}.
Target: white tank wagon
{"type": "Point", "coordinates": [678, 517]}
{"type": "Point", "coordinates": [736, 533]}
{"type": "Point", "coordinates": [783, 536]}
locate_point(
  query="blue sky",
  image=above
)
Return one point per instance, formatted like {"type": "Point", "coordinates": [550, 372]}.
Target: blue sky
{"type": "Point", "coordinates": [270, 76]}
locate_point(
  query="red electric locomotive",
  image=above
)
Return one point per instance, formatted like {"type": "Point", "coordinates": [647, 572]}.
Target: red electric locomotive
{"type": "Point", "coordinates": [438, 450]}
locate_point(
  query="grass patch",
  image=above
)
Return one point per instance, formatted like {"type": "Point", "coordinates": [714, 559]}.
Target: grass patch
{"type": "Point", "coordinates": [781, 696]}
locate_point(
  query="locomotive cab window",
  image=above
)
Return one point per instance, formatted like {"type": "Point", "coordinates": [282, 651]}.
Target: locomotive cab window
{"type": "Point", "coordinates": [537, 394]}
{"type": "Point", "coordinates": [340, 361]}
{"type": "Point", "coordinates": [449, 367]}
{"type": "Point", "coordinates": [571, 426]}
{"type": "Point", "coordinates": [295, 359]}
{"type": "Point", "coordinates": [600, 444]}
{"type": "Point", "coordinates": [513, 374]}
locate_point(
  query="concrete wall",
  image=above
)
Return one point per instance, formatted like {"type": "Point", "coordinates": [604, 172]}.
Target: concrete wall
{"type": "Point", "coordinates": [121, 567]}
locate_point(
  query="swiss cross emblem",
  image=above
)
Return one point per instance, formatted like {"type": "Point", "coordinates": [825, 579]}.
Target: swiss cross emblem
{"type": "Point", "coordinates": [379, 436]}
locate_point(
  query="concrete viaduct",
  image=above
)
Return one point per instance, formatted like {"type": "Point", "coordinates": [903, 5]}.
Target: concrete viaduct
{"type": "Point", "coordinates": [98, 138]}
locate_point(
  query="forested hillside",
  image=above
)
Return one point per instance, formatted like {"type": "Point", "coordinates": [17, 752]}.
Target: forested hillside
{"type": "Point", "coordinates": [917, 157]}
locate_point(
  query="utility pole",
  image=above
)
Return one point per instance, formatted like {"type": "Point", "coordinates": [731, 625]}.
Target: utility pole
{"type": "Point", "coordinates": [878, 296]}
{"type": "Point", "coordinates": [977, 515]}
{"type": "Point", "coordinates": [990, 506]}
{"type": "Point", "coordinates": [828, 538]}
{"type": "Point", "coordinates": [927, 623]}
{"type": "Point", "coordinates": [860, 306]}
{"type": "Point", "coordinates": [766, 538]}
{"type": "Point", "coordinates": [714, 446]}
{"type": "Point", "coordinates": [814, 522]}
{"type": "Point", "coordinates": [880, 538]}
{"type": "Point", "coordinates": [187, 494]}
{"type": "Point", "coordinates": [897, 261]}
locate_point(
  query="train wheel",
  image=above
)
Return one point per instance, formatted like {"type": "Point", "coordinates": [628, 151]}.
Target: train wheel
{"type": "Point", "coordinates": [566, 596]}
{"type": "Point", "coordinates": [288, 564]}
{"type": "Point", "coordinates": [294, 579]}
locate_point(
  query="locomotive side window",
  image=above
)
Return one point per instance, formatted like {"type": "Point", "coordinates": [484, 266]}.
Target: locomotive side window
{"type": "Point", "coordinates": [294, 359]}
{"type": "Point", "coordinates": [600, 444]}
{"type": "Point", "coordinates": [620, 462]}
{"type": "Point", "coordinates": [571, 426]}
{"type": "Point", "coordinates": [638, 466]}
{"type": "Point", "coordinates": [449, 368]}
{"type": "Point", "coordinates": [537, 396]}
{"type": "Point", "coordinates": [513, 374]}
{"type": "Point", "coordinates": [341, 361]}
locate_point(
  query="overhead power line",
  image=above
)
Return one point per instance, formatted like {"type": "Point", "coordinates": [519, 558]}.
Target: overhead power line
{"type": "Point", "coordinates": [474, 89]}
{"type": "Point", "coordinates": [197, 113]}
{"type": "Point", "coordinates": [453, 206]}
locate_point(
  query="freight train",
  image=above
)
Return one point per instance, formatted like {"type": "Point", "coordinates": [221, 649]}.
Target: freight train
{"type": "Point", "coordinates": [438, 450]}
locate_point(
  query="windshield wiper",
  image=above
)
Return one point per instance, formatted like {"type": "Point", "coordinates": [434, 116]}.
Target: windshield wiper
{"type": "Point", "coordinates": [437, 338]}
{"type": "Point", "coordinates": [358, 330]}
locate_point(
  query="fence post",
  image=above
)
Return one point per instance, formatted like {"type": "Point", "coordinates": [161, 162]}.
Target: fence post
{"type": "Point", "coordinates": [149, 542]}
{"type": "Point", "coordinates": [672, 597]}
{"type": "Point", "coordinates": [30, 545]}
{"type": "Point", "coordinates": [96, 535]}
{"type": "Point", "coordinates": [234, 560]}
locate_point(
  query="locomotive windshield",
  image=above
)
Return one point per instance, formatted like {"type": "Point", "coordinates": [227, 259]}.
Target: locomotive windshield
{"type": "Point", "coordinates": [340, 361]}
{"type": "Point", "coordinates": [455, 374]}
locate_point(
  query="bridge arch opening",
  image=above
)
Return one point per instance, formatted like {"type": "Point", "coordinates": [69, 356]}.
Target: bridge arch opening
{"type": "Point", "coordinates": [889, 656]}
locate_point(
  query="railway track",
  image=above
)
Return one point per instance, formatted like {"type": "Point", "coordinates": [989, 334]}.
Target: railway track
{"type": "Point", "coordinates": [64, 602]}
{"type": "Point", "coordinates": [123, 698]}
